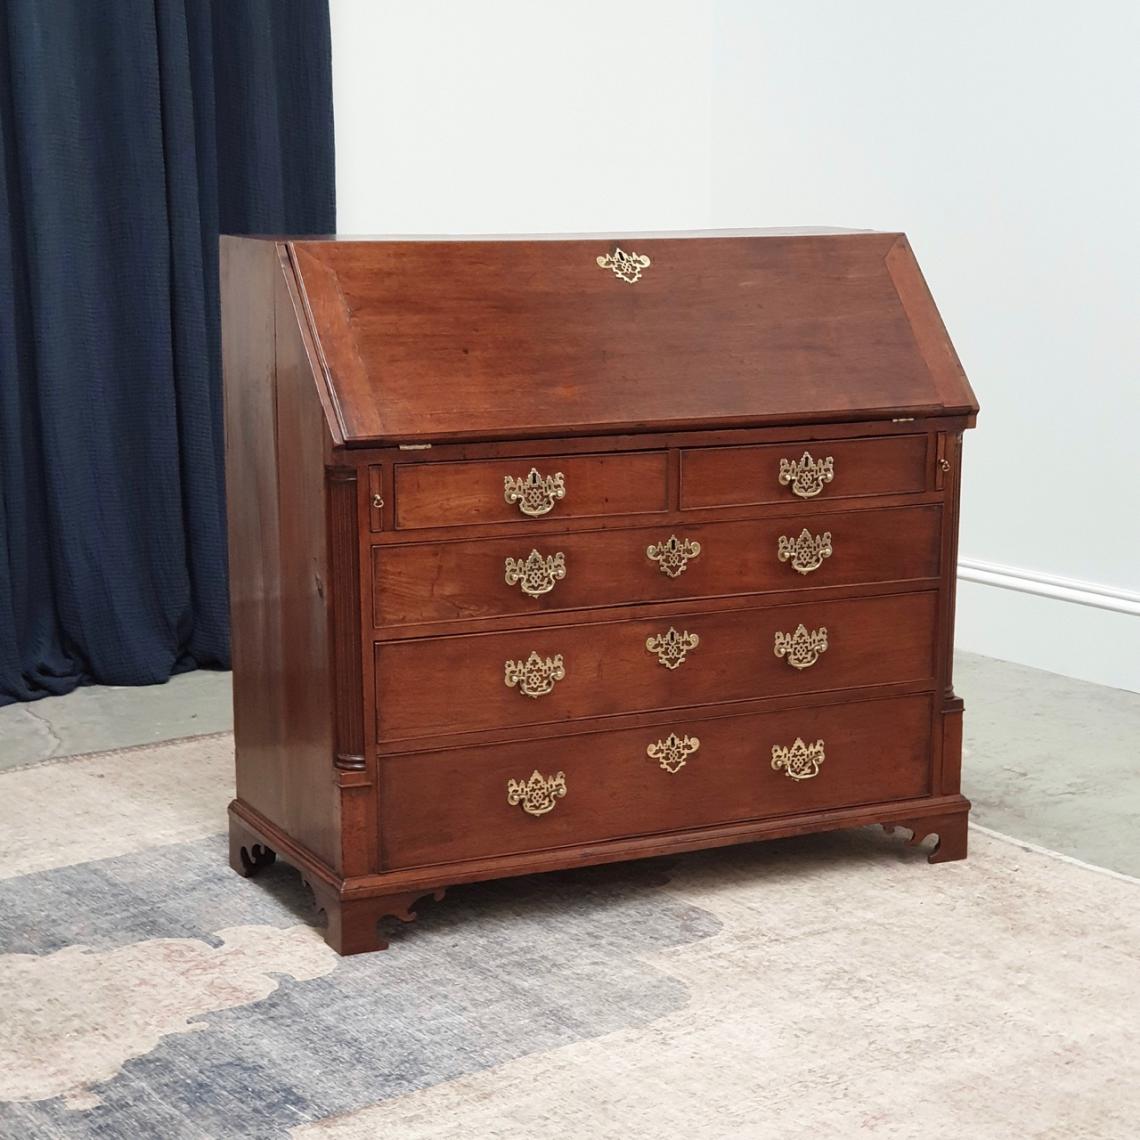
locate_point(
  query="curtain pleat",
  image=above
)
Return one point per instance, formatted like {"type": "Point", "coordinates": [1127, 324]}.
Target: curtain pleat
{"type": "Point", "coordinates": [132, 132]}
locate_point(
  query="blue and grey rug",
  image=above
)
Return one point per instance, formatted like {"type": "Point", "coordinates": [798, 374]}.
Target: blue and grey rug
{"type": "Point", "coordinates": [818, 987]}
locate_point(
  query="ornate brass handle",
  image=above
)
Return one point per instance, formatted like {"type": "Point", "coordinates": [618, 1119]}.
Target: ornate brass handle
{"type": "Point", "coordinates": [535, 494]}
{"type": "Point", "coordinates": [672, 646]}
{"type": "Point", "coordinates": [806, 475]}
{"type": "Point", "coordinates": [801, 761]}
{"type": "Point", "coordinates": [627, 266]}
{"type": "Point", "coordinates": [806, 551]}
{"type": "Point", "coordinates": [802, 648]}
{"type": "Point", "coordinates": [536, 675]}
{"type": "Point", "coordinates": [535, 575]}
{"type": "Point", "coordinates": [672, 556]}
{"type": "Point", "coordinates": [672, 752]}
{"type": "Point", "coordinates": [539, 794]}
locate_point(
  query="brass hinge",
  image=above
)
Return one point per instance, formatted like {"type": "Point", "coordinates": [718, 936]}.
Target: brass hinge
{"type": "Point", "coordinates": [415, 446]}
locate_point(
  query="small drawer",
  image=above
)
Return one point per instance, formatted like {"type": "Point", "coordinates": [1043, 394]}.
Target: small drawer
{"type": "Point", "coordinates": [529, 489]}
{"type": "Point", "coordinates": [443, 685]}
{"type": "Point", "coordinates": [803, 471]}
{"type": "Point", "coordinates": [495, 577]}
{"type": "Point", "coordinates": [474, 803]}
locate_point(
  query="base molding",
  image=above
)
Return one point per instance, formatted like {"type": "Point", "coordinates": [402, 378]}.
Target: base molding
{"type": "Point", "coordinates": [1084, 630]}
{"type": "Point", "coordinates": [1025, 581]}
{"type": "Point", "coordinates": [354, 905]}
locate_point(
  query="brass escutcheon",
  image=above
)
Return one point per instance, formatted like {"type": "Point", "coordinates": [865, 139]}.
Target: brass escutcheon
{"type": "Point", "coordinates": [672, 752]}
{"type": "Point", "coordinates": [535, 494]}
{"type": "Point", "coordinates": [801, 761]}
{"type": "Point", "coordinates": [672, 556]}
{"type": "Point", "coordinates": [539, 794]}
{"type": "Point", "coordinates": [672, 646]}
{"type": "Point", "coordinates": [806, 475]}
{"type": "Point", "coordinates": [806, 551]}
{"type": "Point", "coordinates": [803, 647]}
{"type": "Point", "coordinates": [535, 677]}
{"type": "Point", "coordinates": [627, 266]}
{"type": "Point", "coordinates": [535, 575]}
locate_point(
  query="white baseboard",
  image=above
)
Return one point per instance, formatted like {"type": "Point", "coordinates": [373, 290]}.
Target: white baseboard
{"type": "Point", "coordinates": [1049, 586]}
{"type": "Point", "coordinates": [1079, 629]}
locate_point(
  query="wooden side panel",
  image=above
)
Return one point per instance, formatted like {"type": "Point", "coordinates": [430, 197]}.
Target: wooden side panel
{"type": "Point", "coordinates": [311, 797]}
{"type": "Point", "coordinates": [275, 449]}
{"type": "Point", "coordinates": [248, 271]}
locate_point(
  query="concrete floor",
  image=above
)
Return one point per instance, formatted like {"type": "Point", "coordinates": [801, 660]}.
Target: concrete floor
{"type": "Point", "coordinates": [1048, 759]}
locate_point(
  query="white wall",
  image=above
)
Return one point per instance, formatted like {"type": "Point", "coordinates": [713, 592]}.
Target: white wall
{"type": "Point", "coordinates": [1002, 137]}
{"type": "Point", "coordinates": [1005, 139]}
{"type": "Point", "coordinates": [516, 116]}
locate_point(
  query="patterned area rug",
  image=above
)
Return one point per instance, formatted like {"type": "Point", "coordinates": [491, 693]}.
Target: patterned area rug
{"type": "Point", "coordinates": [823, 987]}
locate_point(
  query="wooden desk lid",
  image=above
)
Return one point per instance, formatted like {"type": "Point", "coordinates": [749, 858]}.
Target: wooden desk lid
{"type": "Point", "coordinates": [436, 339]}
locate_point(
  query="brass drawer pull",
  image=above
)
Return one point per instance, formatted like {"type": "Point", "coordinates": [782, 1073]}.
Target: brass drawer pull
{"type": "Point", "coordinates": [536, 675]}
{"type": "Point", "coordinates": [806, 552]}
{"type": "Point", "coordinates": [539, 794]}
{"type": "Point", "coordinates": [801, 761]}
{"type": "Point", "coordinates": [535, 494]}
{"type": "Point", "coordinates": [672, 556]}
{"type": "Point", "coordinates": [535, 575]}
{"type": "Point", "coordinates": [806, 475]}
{"type": "Point", "coordinates": [627, 266]}
{"type": "Point", "coordinates": [802, 648]}
{"type": "Point", "coordinates": [672, 752]}
{"type": "Point", "coordinates": [672, 646]}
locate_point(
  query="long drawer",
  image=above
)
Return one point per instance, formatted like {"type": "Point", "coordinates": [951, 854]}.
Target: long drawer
{"type": "Point", "coordinates": [441, 685]}
{"type": "Point", "coordinates": [448, 581]}
{"type": "Point", "coordinates": [470, 803]}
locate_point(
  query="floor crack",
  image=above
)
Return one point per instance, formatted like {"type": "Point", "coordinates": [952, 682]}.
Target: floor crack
{"type": "Point", "coordinates": [57, 741]}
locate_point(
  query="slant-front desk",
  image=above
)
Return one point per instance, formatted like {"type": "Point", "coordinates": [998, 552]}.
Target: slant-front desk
{"type": "Point", "coordinates": [548, 552]}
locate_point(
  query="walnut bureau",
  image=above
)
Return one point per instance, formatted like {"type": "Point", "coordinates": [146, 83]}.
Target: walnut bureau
{"type": "Point", "coordinates": [556, 551]}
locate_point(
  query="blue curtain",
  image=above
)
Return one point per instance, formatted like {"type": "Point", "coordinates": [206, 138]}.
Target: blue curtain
{"type": "Point", "coordinates": [132, 132]}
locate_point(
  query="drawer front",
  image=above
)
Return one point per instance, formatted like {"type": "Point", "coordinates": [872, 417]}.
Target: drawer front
{"type": "Point", "coordinates": [440, 685]}
{"type": "Point", "coordinates": [449, 581]}
{"type": "Point", "coordinates": [801, 472]}
{"type": "Point", "coordinates": [529, 489]}
{"type": "Point", "coordinates": [470, 803]}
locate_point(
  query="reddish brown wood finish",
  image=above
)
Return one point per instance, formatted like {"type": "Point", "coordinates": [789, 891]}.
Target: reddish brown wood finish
{"type": "Point", "coordinates": [428, 686]}
{"type": "Point", "coordinates": [875, 751]}
{"type": "Point", "coordinates": [741, 476]}
{"type": "Point", "coordinates": [249, 360]}
{"type": "Point", "coordinates": [441, 582]}
{"type": "Point", "coordinates": [283, 690]}
{"type": "Point", "coordinates": [453, 494]}
{"type": "Point", "coordinates": [435, 340]}
{"type": "Point", "coordinates": [368, 584]}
